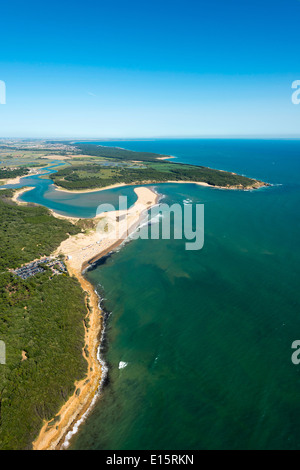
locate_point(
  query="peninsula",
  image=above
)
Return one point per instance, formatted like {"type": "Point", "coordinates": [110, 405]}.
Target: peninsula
{"type": "Point", "coordinates": [101, 167]}
{"type": "Point", "coordinates": [88, 166]}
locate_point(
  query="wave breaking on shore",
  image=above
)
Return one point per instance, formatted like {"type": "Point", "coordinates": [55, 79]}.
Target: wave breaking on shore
{"type": "Point", "coordinates": [82, 251]}
{"type": "Point", "coordinates": [104, 374]}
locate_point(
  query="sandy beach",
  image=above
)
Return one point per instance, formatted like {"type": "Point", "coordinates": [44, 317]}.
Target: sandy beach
{"type": "Point", "coordinates": [80, 191]}
{"type": "Point", "coordinates": [12, 180]}
{"type": "Point", "coordinates": [165, 158]}
{"type": "Point", "coordinates": [192, 182]}
{"type": "Point", "coordinates": [33, 171]}
{"type": "Point", "coordinates": [19, 192]}
{"type": "Point", "coordinates": [111, 229]}
{"type": "Point", "coordinates": [258, 184]}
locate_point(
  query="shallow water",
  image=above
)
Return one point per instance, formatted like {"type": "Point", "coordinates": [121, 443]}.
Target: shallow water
{"type": "Point", "coordinates": [83, 205]}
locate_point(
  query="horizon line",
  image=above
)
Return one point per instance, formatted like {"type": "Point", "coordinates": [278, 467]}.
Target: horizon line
{"type": "Point", "coordinates": [153, 138]}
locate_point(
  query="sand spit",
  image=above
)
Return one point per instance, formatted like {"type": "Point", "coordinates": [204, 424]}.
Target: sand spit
{"type": "Point", "coordinates": [256, 184]}
{"type": "Point", "coordinates": [33, 171]}
{"type": "Point", "coordinates": [19, 193]}
{"type": "Point", "coordinates": [81, 250]}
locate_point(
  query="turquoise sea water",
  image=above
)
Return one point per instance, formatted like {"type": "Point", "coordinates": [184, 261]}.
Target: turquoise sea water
{"type": "Point", "coordinates": [206, 334]}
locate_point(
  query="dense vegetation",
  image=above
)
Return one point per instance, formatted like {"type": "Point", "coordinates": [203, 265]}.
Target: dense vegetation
{"type": "Point", "coordinates": [27, 233]}
{"type": "Point", "coordinates": [41, 322]}
{"type": "Point", "coordinates": [116, 153]}
{"type": "Point", "coordinates": [6, 173]}
{"type": "Point", "coordinates": [96, 176]}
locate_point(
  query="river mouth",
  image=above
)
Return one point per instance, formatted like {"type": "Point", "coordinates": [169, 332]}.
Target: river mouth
{"type": "Point", "coordinates": [206, 336]}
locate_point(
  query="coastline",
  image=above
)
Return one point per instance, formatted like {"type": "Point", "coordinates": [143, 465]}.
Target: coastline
{"type": "Point", "coordinates": [82, 250]}
{"type": "Point", "coordinates": [52, 437]}
{"type": "Point", "coordinates": [81, 191]}
{"type": "Point", "coordinates": [257, 184]}
{"type": "Point", "coordinates": [165, 158]}
{"type": "Point", "coordinates": [19, 192]}
{"type": "Point", "coordinates": [17, 179]}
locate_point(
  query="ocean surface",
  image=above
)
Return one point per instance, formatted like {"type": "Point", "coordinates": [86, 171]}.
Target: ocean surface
{"type": "Point", "coordinates": [198, 343]}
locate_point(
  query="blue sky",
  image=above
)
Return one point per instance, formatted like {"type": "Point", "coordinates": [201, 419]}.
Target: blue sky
{"type": "Point", "coordinates": [149, 69]}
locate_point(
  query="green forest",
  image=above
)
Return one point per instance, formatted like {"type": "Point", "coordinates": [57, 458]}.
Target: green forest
{"type": "Point", "coordinates": [116, 153]}
{"type": "Point", "coordinates": [93, 175]}
{"type": "Point", "coordinates": [7, 173]}
{"type": "Point", "coordinates": [41, 323]}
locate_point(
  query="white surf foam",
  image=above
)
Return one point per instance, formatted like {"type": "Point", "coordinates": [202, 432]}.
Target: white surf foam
{"type": "Point", "coordinates": [122, 365]}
